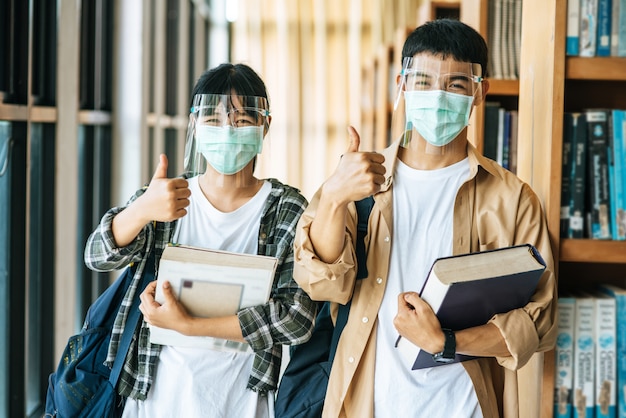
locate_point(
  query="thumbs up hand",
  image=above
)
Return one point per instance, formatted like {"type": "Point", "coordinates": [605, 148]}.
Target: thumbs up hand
{"type": "Point", "coordinates": [358, 175]}
{"type": "Point", "coordinates": [166, 199]}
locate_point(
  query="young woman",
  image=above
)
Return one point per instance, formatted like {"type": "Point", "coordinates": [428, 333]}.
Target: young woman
{"type": "Point", "coordinates": [218, 204]}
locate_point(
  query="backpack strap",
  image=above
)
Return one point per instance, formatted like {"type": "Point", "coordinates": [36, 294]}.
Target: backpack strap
{"type": "Point", "coordinates": [132, 320]}
{"type": "Point", "coordinates": [363, 209]}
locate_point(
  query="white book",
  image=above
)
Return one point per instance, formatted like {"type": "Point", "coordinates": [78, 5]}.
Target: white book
{"type": "Point", "coordinates": [572, 43]}
{"type": "Point", "coordinates": [212, 283]}
{"type": "Point", "coordinates": [588, 27]}
{"type": "Point", "coordinates": [606, 356]}
{"type": "Point", "coordinates": [584, 357]}
{"type": "Point", "coordinates": [564, 356]}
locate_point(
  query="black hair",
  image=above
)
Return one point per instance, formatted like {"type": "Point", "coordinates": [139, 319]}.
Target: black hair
{"type": "Point", "coordinates": [448, 38]}
{"type": "Point", "coordinates": [228, 78]}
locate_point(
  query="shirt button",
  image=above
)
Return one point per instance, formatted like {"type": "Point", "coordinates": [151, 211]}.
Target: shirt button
{"type": "Point", "coordinates": [350, 359]}
{"type": "Point", "coordinates": [379, 280]}
{"type": "Point", "coordinates": [387, 239]}
{"type": "Point", "coordinates": [365, 319]}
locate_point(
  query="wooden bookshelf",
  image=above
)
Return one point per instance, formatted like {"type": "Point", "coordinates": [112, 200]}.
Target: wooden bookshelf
{"type": "Point", "coordinates": [598, 68]}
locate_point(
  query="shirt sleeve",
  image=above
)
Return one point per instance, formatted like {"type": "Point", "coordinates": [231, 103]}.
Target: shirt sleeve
{"type": "Point", "coordinates": [325, 281]}
{"type": "Point", "coordinates": [532, 328]}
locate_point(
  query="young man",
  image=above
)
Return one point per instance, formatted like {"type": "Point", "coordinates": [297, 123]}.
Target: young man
{"type": "Point", "coordinates": [435, 196]}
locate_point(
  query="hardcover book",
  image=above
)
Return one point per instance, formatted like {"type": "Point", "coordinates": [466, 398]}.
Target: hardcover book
{"type": "Point", "coordinates": [211, 283]}
{"type": "Point", "coordinates": [605, 336]}
{"type": "Point", "coordinates": [467, 290]}
{"type": "Point", "coordinates": [584, 357]}
{"type": "Point", "coordinates": [619, 294]}
{"type": "Point", "coordinates": [576, 129]}
{"type": "Point", "coordinates": [598, 169]}
{"type": "Point", "coordinates": [617, 175]}
{"type": "Point", "coordinates": [572, 43]}
{"type": "Point", "coordinates": [564, 356]}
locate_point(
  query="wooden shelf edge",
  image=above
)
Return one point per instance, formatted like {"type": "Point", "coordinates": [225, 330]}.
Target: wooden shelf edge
{"type": "Point", "coordinates": [592, 251]}
{"type": "Point", "coordinates": [503, 87]}
{"type": "Point", "coordinates": [595, 68]}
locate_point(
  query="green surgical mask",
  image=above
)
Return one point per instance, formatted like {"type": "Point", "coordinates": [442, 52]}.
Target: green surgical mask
{"type": "Point", "coordinates": [439, 116]}
{"type": "Point", "coordinates": [229, 149]}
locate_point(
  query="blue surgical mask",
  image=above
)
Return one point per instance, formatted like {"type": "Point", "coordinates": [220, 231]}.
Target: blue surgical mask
{"type": "Point", "coordinates": [439, 116]}
{"type": "Point", "coordinates": [229, 149]}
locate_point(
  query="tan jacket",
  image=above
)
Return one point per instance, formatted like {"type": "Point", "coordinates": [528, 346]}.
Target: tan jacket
{"type": "Point", "coordinates": [493, 209]}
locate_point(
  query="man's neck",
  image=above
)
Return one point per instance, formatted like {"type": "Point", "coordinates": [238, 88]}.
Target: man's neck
{"type": "Point", "coordinates": [422, 156]}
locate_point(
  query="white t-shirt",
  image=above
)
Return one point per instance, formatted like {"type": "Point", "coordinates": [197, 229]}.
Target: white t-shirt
{"type": "Point", "coordinates": [423, 206]}
{"type": "Point", "coordinates": [198, 382]}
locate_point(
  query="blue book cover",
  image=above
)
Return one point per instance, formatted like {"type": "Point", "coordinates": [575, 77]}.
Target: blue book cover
{"type": "Point", "coordinates": [588, 27]}
{"type": "Point", "coordinates": [598, 173]}
{"type": "Point", "coordinates": [603, 44]}
{"type": "Point", "coordinates": [617, 175]}
{"type": "Point", "coordinates": [619, 294]}
{"type": "Point", "coordinates": [605, 336]}
{"type": "Point", "coordinates": [564, 356]}
{"type": "Point", "coordinates": [573, 24]}
{"type": "Point", "coordinates": [584, 357]}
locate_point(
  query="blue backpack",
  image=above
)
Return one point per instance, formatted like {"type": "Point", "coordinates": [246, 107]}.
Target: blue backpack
{"type": "Point", "coordinates": [83, 386]}
{"type": "Point", "coordinates": [303, 385]}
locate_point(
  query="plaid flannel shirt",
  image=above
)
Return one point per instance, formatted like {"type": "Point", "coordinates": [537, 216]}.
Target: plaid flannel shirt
{"type": "Point", "coordinates": [286, 319]}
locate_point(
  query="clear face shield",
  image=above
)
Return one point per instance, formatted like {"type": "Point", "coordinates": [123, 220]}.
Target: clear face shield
{"type": "Point", "coordinates": [224, 136]}
{"type": "Point", "coordinates": [434, 101]}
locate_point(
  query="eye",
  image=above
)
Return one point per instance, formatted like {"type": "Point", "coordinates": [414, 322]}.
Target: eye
{"type": "Point", "coordinates": [459, 84]}
{"type": "Point", "coordinates": [241, 119]}
{"type": "Point", "coordinates": [212, 120]}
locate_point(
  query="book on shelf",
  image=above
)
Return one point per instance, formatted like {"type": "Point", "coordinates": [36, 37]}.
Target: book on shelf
{"type": "Point", "coordinates": [212, 283]}
{"type": "Point", "coordinates": [588, 28]}
{"type": "Point", "coordinates": [617, 174]}
{"type": "Point", "coordinates": [514, 116]}
{"type": "Point", "coordinates": [615, 10]}
{"type": "Point", "coordinates": [495, 39]}
{"type": "Point", "coordinates": [572, 42]}
{"type": "Point", "coordinates": [575, 131]}
{"type": "Point", "coordinates": [564, 357]}
{"type": "Point", "coordinates": [490, 136]}
{"type": "Point", "coordinates": [467, 290]}
{"type": "Point", "coordinates": [584, 357]}
{"type": "Point", "coordinates": [621, 30]}
{"type": "Point", "coordinates": [619, 294]}
{"type": "Point", "coordinates": [598, 173]}
{"type": "Point", "coordinates": [605, 351]}
{"type": "Point", "coordinates": [566, 174]}
{"type": "Point", "coordinates": [603, 46]}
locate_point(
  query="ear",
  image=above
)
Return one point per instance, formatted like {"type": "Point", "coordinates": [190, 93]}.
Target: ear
{"type": "Point", "coordinates": [484, 90]}
{"type": "Point", "coordinates": [267, 125]}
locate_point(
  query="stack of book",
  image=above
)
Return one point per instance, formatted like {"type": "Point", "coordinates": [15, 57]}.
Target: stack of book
{"type": "Point", "coordinates": [504, 37]}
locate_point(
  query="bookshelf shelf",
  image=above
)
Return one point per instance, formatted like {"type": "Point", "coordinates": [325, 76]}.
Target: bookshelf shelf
{"type": "Point", "coordinates": [503, 87]}
{"type": "Point", "coordinates": [593, 251]}
{"type": "Point", "coordinates": [598, 68]}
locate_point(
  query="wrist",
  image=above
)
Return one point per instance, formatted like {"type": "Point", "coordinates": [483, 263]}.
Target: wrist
{"type": "Point", "coordinates": [448, 353]}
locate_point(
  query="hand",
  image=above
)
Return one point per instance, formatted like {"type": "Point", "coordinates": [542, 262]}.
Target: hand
{"type": "Point", "coordinates": [417, 322]}
{"type": "Point", "coordinates": [358, 175]}
{"type": "Point", "coordinates": [166, 199]}
{"type": "Point", "coordinates": [170, 315]}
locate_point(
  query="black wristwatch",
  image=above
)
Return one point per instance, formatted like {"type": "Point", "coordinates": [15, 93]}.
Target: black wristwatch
{"type": "Point", "coordinates": [449, 348]}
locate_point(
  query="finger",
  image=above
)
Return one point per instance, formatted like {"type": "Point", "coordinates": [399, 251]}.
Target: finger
{"type": "Point", "coordinates": [161, 170]}
{"type": "Point", "coordinates": [167, 292]}
{"type": "Point", "coordinates": [355, 139]}
{"type": "Point", "coordinates": [412, 299]}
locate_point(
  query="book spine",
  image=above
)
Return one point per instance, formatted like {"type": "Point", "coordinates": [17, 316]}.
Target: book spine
{"type": "Point", "coordinates": [620, 301]}
{"type": "Point", "coordinates": [621, 41]}
{"type": "Point", "coordinates": [566, 173]}
{"type": "Point", "coordinates": [578, 176]}
{"type": "Point", "coordinates": [617, 176]}
{"type": "Point", "coordinates": [588, 27]}
{"type": "Point", "coordinates": [598, 177]}
{"type": "Point", "coordinates": [605, 336]}
{"type": "Point", "coordinates": [572, 43]}
{"type": "Point", "coordinates": [490, 139]}
{"type": "Point", "coordinates": [603, 47]}
{"type": "Point", "coordinates": [615, 10]}
{"type": "Point", "coordinates": [564, 355]}
{"type": "Point", "coordinates": [584, 358]}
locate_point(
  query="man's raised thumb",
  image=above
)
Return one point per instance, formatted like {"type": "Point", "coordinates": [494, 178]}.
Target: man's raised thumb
{"type": "Point", "coordinates": [355, 139]}
{"type": "Point", "coordinates": [161, 170]}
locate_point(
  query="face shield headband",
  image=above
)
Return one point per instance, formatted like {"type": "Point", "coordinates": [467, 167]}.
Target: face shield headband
{"type": "Point", "coordinates": [435, 98]}
{"type": "Point", "coordinates": [225, 133]}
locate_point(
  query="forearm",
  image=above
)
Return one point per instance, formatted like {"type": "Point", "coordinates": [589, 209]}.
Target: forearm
{"type": "Point", "coordinates": [227, 328]}
{"type": "Point", "coordinates": [327, 231]}
{"type": "Point", "coordinates": [484, 341]}
{"type": "Point", "coordinates": [128, 223]}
